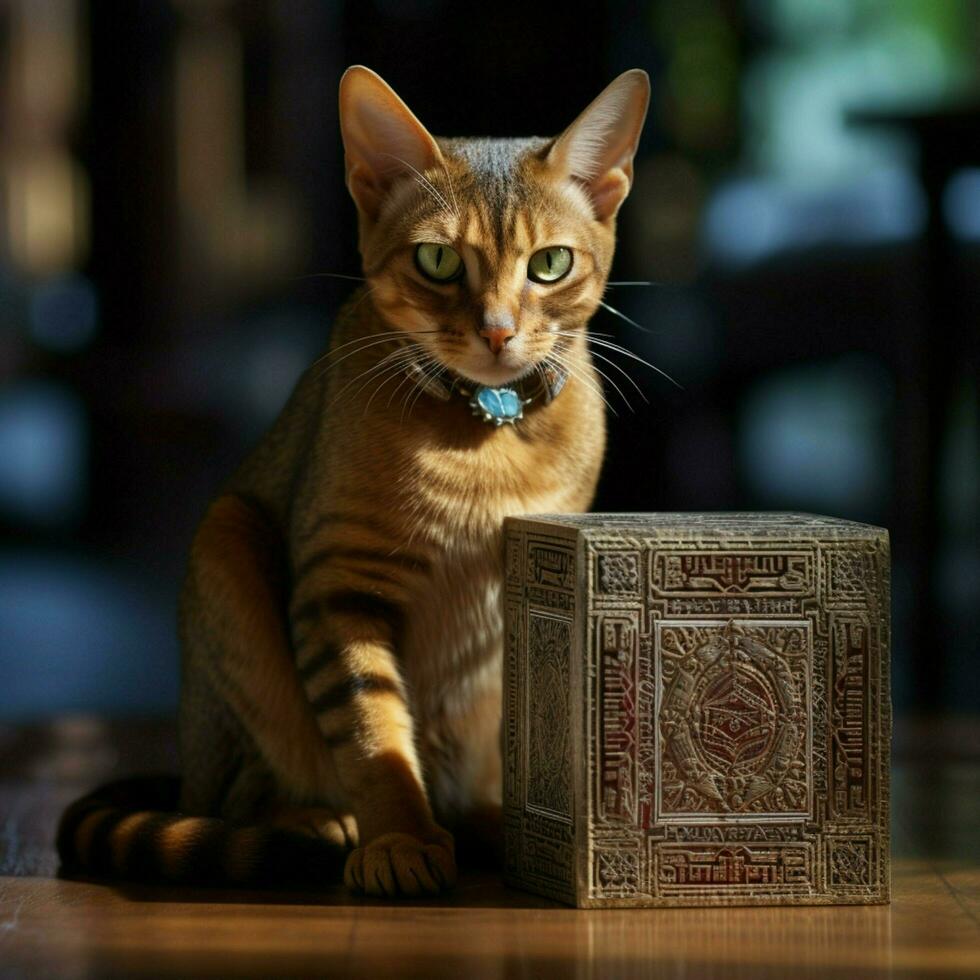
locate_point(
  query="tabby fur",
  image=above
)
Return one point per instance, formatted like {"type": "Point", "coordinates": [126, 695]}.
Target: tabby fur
{"type": "Point", "coordinates": [341, 619]}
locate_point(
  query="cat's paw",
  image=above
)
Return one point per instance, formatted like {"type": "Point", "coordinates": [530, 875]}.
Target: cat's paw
{"type": "Point", "coordinates": [402, 866]}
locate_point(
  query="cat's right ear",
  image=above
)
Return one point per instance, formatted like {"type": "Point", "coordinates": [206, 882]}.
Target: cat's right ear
{"type": "Point", "coordinates": [382, 139]}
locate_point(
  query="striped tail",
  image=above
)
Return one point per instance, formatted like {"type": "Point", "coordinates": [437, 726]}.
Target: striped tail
{"type": "Point", "coordinates": [130, 830]}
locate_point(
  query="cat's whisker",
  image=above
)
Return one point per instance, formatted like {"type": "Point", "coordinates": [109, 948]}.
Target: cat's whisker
{"type": "Point", "coordinates": [422, 363]}
{"type": "Point", "coordinates": [387, 377]}
{"type": "Point", "coordinates": [592, 387]}
{"type": "Point", "coordinates": [434, 373]}
{"type": "Point", "coordinates": [605, 376]}
{"type": "Point", "coordinates": [580, 333]}
{"type": "Point", "coordinates": [356, 340]}
{"type": "Point", "coordinates": [404, 352]}
{"type": "Point", "coordinates": [367, 293]}
{"type": "Point", "coordinates": [623, 316]}
{"type": "Point", "coordinates": [424, 182]}
{"type": "Point", "coordinates": [539, 370]}
{"type": "Point", "coordinates": [416, 383]}
{"type": "Point", "coordinates": [636, 357]}
{"type": "Point", "coordinates": [387, 368]}
{"type": "Point", "coordinates": [416, 378]}
{"type": "Point", "coordinates": [379, 366]}
{"type": "Point", "coordinates": [634, 282]}
{"type": "Point", "coordinates": [357, 350]}
{"type": "Point", "coordinates": [594, 337]}
{"type": "Point", "coordinates": [372, 341]}
{"type": "Point", "coordinates": [558, 360]}
{"type": "Point", "coordinates": [618, 390]}
{"type": "Point", "coordinates": [421, 385]}
{"type": "Point", "coordinates": [408, 377]}
{"type": "Point", "coordinates": [623, 372]}
{"type": "Point", "coordinates": [452, 190]}
{"type": "Point", "coordinates": [329, 275]}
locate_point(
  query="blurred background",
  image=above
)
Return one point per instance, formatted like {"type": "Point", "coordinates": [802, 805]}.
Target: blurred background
{"type": "Point", "coordinates": [806, 207]}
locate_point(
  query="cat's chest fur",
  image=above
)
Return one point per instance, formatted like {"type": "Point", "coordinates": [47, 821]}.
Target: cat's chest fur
{"type": "Point", "coordinates": [446, 482]}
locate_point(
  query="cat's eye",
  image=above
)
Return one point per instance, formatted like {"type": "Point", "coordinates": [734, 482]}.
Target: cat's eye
{"type": "Point", "coordinates": [438, 262]}
{"type": "Point", "coordinates": [550, 264]}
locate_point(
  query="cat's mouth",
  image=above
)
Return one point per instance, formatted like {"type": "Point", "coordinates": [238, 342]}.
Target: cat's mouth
{"type": "Point", "coordinates": [495, 370]}
{"type": "Point", "coordinates": [496, 375]}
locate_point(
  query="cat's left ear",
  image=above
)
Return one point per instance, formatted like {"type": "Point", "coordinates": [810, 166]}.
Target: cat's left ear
{"type": "Point", "coordinates": [597, 149]}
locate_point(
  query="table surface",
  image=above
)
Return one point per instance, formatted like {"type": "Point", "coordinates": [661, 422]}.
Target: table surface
{"type": "Point", "coordinates": [54, 927]}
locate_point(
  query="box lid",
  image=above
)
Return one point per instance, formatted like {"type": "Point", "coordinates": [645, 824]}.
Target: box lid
{"type": "Point", "coordinates": [709, 524]}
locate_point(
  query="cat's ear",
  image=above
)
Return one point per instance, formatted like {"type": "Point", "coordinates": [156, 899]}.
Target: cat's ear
{"type": "Point", "coordinates": [382, 139]}
{"type": "Point", "coordinates": [597, 149]}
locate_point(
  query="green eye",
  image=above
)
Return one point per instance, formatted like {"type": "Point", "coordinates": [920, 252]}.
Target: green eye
{"type": "Point", "coordinates": [550, 264]}
{"type": "Point", "coordinates": [438, 262]}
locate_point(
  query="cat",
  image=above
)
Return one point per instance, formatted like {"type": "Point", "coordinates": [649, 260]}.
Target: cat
{"type": "Point", "coordinates": [341, 621]}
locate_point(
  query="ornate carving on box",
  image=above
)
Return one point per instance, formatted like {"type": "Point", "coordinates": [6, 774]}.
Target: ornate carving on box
{"type": "Point", "coordinates": [850, 864]}
{"type": "Point", "coordinates": [539, 607]}
{"type": "Point", "coordinates": [619, 573]}
{"type": "Point", "coordinates": [741, 869]}
{"type": "Point", "coordinates": [617, 866]}
{"type": "Point", "coordinates": [733, 719]}
{"type": "Point", "coordinates": [697, 709]}
{"type": "Point", "coordinates": [617, 797]}
{"type": "Point", "coordinates": [548, 733]}
{"type": "Point", "coordinates": [732, 572]}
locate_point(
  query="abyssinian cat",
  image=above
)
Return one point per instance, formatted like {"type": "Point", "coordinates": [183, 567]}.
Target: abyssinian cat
{"type": "Point", "coordinates": [341, 622]}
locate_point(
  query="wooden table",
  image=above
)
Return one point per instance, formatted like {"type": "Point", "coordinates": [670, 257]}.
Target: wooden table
{"type": "Point", "coordinates": [58, 928]}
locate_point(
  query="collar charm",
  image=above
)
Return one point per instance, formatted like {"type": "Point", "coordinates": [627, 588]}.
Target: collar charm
{"type": "Point", "coordinates": [498, 405]}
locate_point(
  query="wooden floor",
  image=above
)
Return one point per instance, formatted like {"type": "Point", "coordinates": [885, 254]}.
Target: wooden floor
{"type": "Point", "coordinates": [55, 928]}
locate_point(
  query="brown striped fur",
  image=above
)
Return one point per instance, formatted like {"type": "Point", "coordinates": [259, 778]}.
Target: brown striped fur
{"type": "Point", "coordinates": [341, 621]}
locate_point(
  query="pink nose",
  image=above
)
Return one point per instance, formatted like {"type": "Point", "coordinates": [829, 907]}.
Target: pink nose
{"type": "Point", "coordinates": [497, 337]}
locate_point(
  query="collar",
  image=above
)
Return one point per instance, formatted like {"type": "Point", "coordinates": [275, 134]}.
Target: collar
{"type": "Point", "coordinates": [499, 405]}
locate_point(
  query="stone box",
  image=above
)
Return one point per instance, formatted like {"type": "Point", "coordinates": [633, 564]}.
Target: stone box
{"type": "Point", "coordinates": [697, 709]}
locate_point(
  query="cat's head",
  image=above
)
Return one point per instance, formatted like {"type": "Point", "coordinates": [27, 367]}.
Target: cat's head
{"type": "Point", "coordinates": [485, 249]}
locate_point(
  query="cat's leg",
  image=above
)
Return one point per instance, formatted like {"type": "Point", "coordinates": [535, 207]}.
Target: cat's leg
{"type": "Point", "coordinates": [236, 649]}
{"type": "Point", "coordinates": [476, 777]}
{"type": "Point", "coordinates": [347, 663]}
{"type": "Point", "coordinates": [315, 821]}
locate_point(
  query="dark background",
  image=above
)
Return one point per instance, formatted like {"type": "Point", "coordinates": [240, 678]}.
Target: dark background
{"type": "Point", "coordinates": [806, 205]}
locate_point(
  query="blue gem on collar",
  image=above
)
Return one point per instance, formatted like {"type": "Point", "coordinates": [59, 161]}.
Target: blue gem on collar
{"type": "Point", "coordinates": [498, 405]}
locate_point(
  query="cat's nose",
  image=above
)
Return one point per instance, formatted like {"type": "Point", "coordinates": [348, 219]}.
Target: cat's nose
{"type": "Point", "coordinates": [497, 338]}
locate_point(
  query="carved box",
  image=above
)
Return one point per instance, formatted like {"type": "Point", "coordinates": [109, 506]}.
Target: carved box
{"type": "Point", "coordinates": [696, 709]}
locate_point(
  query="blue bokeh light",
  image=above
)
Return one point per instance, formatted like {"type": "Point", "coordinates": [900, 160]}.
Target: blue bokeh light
{"type": "Point", "coordinates": [752, 219]}
{"type": "Point", "coordinates": [961, 204]}
{"type": "Point", "coordinates": [815, 437]}
{"type": "Point", "coordinates": [43, 453]}
{"type": "Point", "coordinates": [80, 635]}
{"type": "Point", "coordinates": [64, 314]}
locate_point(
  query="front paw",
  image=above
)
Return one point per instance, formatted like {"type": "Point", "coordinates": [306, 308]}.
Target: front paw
{"type": "Point", "coordinates": [402, 866]}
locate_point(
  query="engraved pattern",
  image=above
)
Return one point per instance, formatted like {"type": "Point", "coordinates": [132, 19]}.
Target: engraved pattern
{"type": "Point", "coordinates": [617, 800]}
{"type": "Point", "coordinates": [848, 721]}
{"type": "Point", "coordinates": [512, 707]}
{"type": "Point", "coordinates": [550, 567]}
{"type": "Point", "coordinates": [619, 574]}
{"type": "Point", "coordinates": [850, 863]}
{"type": "Point", "coordinates": [547, 708]}
{"type": "Point", "coordinates": [733, 718]}
{"type": "Point", "coordinates": [513, 560]}
{"type": "Point", "coordinates": [773, 868]}
{"type": "Point", "coordinates": [617, 871]}
{"type": "Point", "coordinates": [850, 570]}
{"type": "Point", "coordinates": [708, 573]}
{"type": "Point", "coordinates": [729, 716]}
